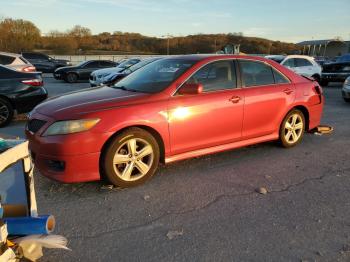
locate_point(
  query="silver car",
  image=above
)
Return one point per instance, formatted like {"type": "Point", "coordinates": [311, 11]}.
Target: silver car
{"type": "Point", "coordinates": [16, 62]}
{"type": "Point", "coordinates": [97, 77]}
{"type": "Point", "coordinates": [346, 90]}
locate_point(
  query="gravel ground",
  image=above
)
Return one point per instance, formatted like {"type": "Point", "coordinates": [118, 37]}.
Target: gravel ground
{"type": "Point", "coordinates": [207, 209]}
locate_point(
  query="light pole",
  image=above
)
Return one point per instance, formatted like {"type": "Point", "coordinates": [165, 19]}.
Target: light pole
{"type": "Point", "coordinates": [168, 36]}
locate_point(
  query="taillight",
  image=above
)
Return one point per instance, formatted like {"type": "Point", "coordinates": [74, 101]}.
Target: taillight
{"type": "Point", "coordinates": [33, 82]}
{"type": "Point", "coordinates": [318, 90]}
{"type": "Point", "coordinates": [29, 69]}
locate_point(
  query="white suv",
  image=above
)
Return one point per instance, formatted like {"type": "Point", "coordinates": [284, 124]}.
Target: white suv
{"type": "Point", "coordinates": [16, 62]}
{"type": "Point", "coordinates": [303, 65]}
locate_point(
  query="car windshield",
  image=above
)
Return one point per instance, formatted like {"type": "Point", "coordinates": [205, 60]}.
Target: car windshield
{"type": "Point", "coordinates": [155, 77]}
{"type": "Point", "coordinates": [128, 63]}
{"type": "Point", "coordinates": [142, 64]}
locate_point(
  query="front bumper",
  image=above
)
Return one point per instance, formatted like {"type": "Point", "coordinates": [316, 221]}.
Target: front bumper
{"type": "Point", "coordinates": [335, 77]}
{"type": "Point", "coordinates": [66, 158]}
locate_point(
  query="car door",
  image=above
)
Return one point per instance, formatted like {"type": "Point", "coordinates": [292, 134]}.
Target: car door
{"type": "Point", "coordinates": [211, 118]}
{"type": "Point", "coordinates": [87, 69]}
{"type": "Point", "coordinates": [267, 94]}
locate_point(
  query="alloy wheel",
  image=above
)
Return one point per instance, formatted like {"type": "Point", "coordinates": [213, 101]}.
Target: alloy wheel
{"type": "Point", "coordinates": [4, 113]}
{"type": "Point", "coordinates": [133, 159]}
{"type": "Point", "coordinates": [293, 128]}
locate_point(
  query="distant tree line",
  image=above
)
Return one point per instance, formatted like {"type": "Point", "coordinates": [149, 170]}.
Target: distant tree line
{"type": "Point", "coordinates": [17, 35]}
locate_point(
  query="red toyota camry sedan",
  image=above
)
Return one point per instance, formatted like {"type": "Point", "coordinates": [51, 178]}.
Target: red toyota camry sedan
{"type": "Point", "coordinates": [172, 109]}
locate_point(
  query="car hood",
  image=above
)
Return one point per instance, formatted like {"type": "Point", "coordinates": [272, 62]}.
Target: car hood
{"type": "Point", "coordinates": [107, 71]}
{"type": "Point", "coordinates": [73, 105]}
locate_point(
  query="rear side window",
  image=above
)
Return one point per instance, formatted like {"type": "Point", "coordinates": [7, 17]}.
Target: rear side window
{"type": "Point", "coordinates": [106, 64]}
{"type": "Point", "coordinates": [94, 64]}
{"type": "Point", "coordinates": [34, 56]}
{"type": "Point", "coordinates": [6, 60]}
{"type": "Point", "coordinates": [256, 73]}
{"type": "Point", "coordinates": [300, 62]}
{"type": "Point", "coordinates": [216, 76]}
{"type": "Point", "coordinates": [279, 78]}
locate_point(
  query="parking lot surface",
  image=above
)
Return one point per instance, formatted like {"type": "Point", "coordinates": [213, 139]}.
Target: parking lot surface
{"type": "Point", "coordinates": [207, 209]}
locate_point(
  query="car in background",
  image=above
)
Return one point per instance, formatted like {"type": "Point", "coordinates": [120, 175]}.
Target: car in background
{"type": "Point", "coordinates": [19, 92]}
{"type": "Point", "coordinates": [336, 71]}
{"type": "Point", "coordinates": [82, 71]}
{"type": "Point", "coordinates": [45, 63]}
{"type": "Point", "coordinates": [113, 77]}
{"type": "Point", "coordinates": [346, 90]}
{"type": "Point", "coordinates": [276, 58]}
{"type": "Point", "coordinates": [97, 77]}
{"type": "Point", "coordinates": [172, 109]}
{"type": "Point", "coordinates": [303, 65]}
{"type": "Point", "coordinates": [16, 62]}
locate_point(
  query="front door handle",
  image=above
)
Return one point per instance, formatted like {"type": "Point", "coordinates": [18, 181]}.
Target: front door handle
{"type": "Point", "coordinates": [235, 99]}
{"type": "Point", "coordinates": [288, 91]}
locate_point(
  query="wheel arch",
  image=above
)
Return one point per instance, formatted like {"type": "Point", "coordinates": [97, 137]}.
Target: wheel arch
{"type": "Point", "coordinates": [149, 129]}
{"type": "Point", "coordinates": [305, 112]}
{"type": "Point", "coordinates": [13, 104]}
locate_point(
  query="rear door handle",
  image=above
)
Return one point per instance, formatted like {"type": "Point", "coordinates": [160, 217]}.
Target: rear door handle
{"type": "Point", "coordinates": [288, 91]}
{"type": "Point", "coordinates": [235, 99]}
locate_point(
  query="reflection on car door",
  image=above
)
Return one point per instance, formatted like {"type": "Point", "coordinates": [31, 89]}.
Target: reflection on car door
{"type": "Point", "coordinates": [211, 118]}
{"type": "Point", "coordinates": [267, 93]}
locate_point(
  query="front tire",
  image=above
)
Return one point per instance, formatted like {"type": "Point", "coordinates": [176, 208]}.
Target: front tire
{"type": "Point", "coordinates": [71, 78]}
{"type": "Point", "coordinates": [131, 158]}
{"type": "Point", "coordinates": [292, 129]}
{"type": "Point", "coordinates": [6, 112]}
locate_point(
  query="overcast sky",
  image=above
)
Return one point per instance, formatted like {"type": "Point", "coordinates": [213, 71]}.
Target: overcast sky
{"type": "Point", "coordinates": [293, 21]}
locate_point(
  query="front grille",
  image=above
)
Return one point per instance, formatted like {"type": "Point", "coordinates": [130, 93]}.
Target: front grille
{"type": "Point", "coordinates": [35, 124]}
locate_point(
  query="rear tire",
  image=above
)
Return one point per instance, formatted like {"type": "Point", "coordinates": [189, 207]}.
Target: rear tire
{"type": "Point", "coordinates": [6, 112]}
{"type": "Point", "coordinates": [131, 158]}
{"type": "Point", "coordinates": [292, 129]}
{"type": "Point", "coordinates": [71, 78]}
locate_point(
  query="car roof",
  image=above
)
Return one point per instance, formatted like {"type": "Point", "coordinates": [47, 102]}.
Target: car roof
{"type": "Point", "coordinates": [301, 56]}
{"type": "Point", "coordinates": [10, 54]}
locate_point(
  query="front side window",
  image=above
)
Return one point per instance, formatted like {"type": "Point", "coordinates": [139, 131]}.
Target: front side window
{"type": "Point", "coordinates": [156, 76]}
{"type": "Point", "coordinates": [290, 63]}
{"type": "Point", "coordinates": [256, 73]}
{"type": "Point", "coordinates": [216, 76]}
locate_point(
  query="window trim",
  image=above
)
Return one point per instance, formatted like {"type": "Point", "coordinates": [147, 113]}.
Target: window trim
{"type": "Point", "coordinates": [271, 67]}
{"type": "Point", "coordinates": [238, 78]}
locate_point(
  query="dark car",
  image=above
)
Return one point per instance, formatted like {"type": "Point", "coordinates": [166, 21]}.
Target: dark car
{"type": "Point", "coordinates": [45, 63]}
{"type": "Point", "coordinates": [81, 71]}
{"type": "Point", "coordinates": [19, 91]}
{"type": "Point", "coordinates": [114, 77]}
{"type": "Point", "coordinates": [337, 71]}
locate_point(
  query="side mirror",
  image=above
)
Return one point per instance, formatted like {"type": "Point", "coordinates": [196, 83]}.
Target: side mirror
{"type": "Point", "coordinates": [191, 89]}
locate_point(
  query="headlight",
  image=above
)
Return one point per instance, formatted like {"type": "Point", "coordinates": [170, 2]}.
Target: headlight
{"type": "Point", "coordinates": [347, 82]}
{"type": "Point", "coordinates": [70, 126]}
{"type": "Point", "coordinates": [346, 68]}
